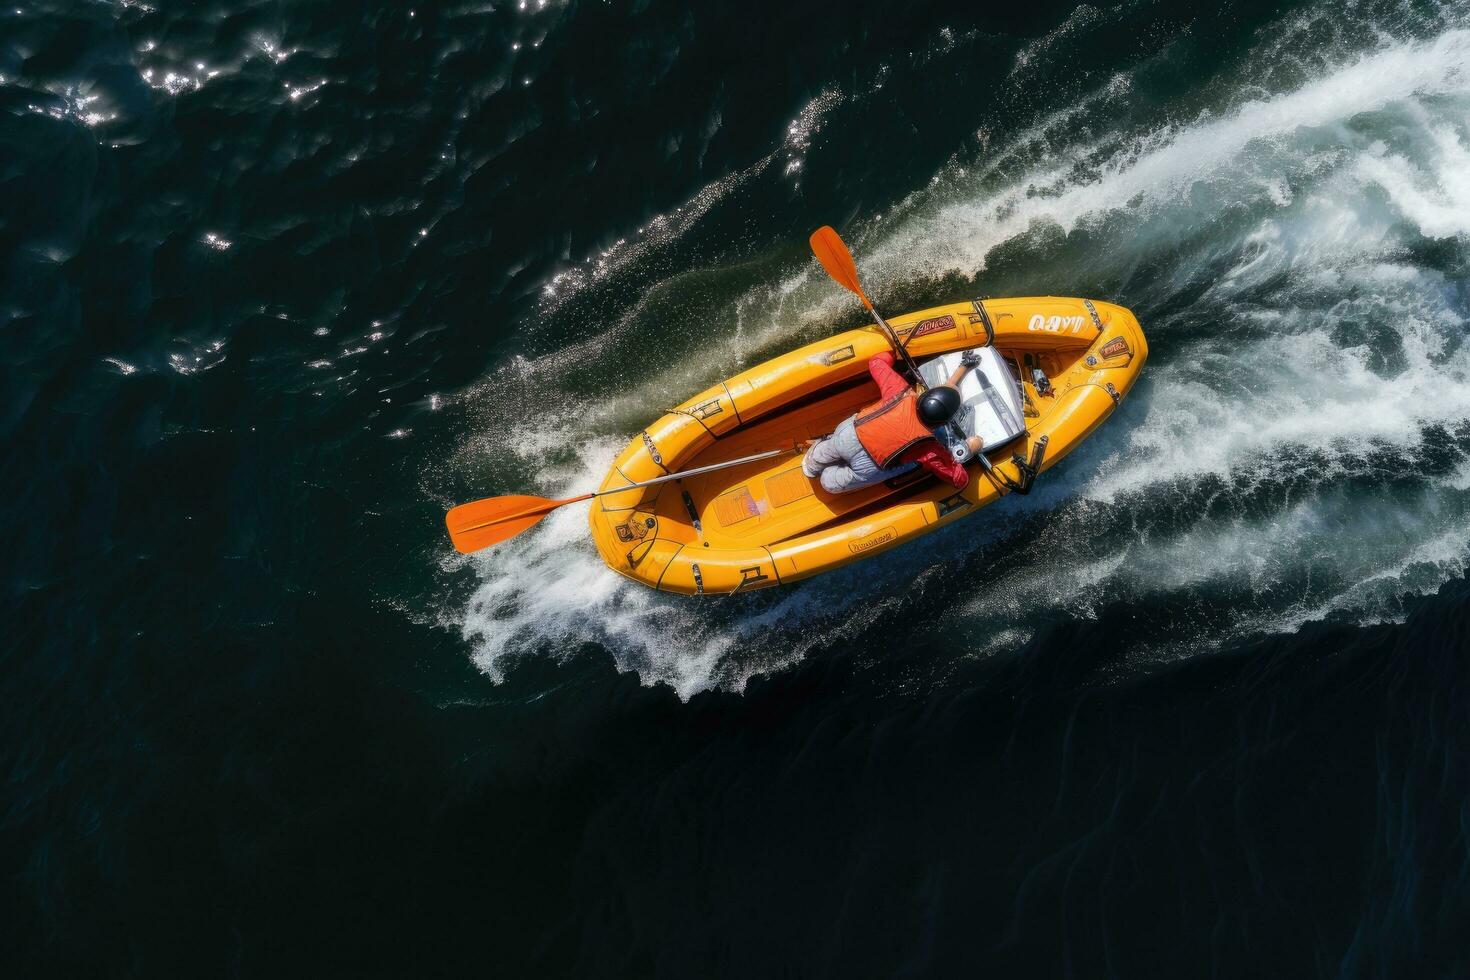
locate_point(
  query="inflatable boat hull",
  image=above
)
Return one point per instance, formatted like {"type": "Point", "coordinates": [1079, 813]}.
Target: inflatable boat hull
{"type": "Point", "coordinates": [765, 524]}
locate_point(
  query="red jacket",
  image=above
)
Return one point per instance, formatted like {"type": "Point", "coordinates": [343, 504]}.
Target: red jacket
{"type": "Point", "coordinates": [929, 454]}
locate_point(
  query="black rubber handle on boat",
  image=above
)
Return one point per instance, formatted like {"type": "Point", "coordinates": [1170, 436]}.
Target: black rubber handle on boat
{"type": "Point", "coordinates": [985, 319]}
{"type": "Point", "coordinates": [1030, 470]}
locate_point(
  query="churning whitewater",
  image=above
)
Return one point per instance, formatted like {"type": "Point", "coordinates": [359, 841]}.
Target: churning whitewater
{"type": "Point", "coordinates": [1299, 448]}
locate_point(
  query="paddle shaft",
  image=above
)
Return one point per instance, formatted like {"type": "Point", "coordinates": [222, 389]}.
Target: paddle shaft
{"type": "Point", "coordinates": [898, 345]}
{"type": "Point", "coordinates": [552, 505]}
{"type": "Point", "coordinates": [694, 472]}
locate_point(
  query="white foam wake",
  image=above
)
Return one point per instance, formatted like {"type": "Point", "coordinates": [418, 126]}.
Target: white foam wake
{"type": "Point", "coordinates": [1297, 449]}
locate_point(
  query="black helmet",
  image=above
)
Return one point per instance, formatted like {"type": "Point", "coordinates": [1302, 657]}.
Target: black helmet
{"type": "Point", "coordinates": [938, 405]}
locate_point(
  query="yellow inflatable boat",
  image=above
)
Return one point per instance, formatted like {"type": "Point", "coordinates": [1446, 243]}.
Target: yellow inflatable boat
{"type": "Point", "coordinates": [1054, 369]}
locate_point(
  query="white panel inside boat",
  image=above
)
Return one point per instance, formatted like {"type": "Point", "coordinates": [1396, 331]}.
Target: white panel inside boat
{"type": "Point", "coordinates": [992, 400]}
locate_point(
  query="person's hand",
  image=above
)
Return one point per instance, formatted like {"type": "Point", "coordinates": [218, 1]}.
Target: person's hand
{"type": "Point", "coordinates": [970, 359]}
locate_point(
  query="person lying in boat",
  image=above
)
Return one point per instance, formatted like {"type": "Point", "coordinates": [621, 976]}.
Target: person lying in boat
{"type": "Point", "coordinates": [894, 434]}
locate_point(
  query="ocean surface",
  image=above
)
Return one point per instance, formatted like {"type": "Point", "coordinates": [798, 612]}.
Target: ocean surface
{"type": "Point", "coordinates": [281, 282]}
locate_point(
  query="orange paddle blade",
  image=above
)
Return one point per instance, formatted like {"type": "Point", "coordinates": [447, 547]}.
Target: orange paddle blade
{"type": "Point", "coordinates": [481, 523]}
{"type": "Point", "coordinates": [831, 251]}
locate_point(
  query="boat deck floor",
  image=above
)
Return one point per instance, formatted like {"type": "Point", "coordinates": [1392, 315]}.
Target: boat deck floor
{"type": "Point", "coordinates": [771, 500]}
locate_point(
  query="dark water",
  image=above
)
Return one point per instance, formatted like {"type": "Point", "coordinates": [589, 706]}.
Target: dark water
{"type": "Point", "coordinates": [279, 283]}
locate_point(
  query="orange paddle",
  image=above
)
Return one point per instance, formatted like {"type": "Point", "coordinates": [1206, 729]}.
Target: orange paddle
{"type": "Point", "coordinates": [481, 523]}
{"type": "Point", "coordinates": [831, 251]}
